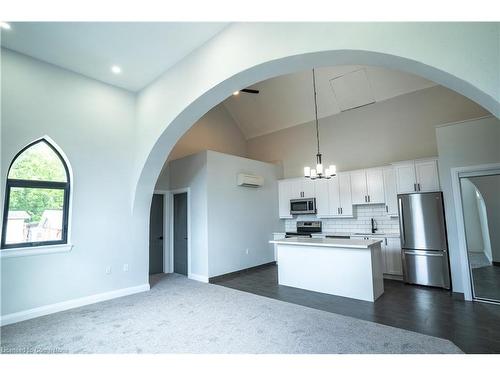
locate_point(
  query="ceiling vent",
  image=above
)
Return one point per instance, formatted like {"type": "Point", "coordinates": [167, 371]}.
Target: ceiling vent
{"type": "Point", "coordinates": [352, 90]}
{"type": "Point", "coordinates": [249, 180]}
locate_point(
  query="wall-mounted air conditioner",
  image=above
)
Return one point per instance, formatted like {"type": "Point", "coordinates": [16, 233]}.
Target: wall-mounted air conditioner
{"type": "Point", "coordinates": [250, 180]}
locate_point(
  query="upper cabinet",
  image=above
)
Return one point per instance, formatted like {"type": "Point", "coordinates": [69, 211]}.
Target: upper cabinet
{"type": "Point", "coordinates": [367, 186]}
{"type": "Point", "coordinates": [391, 191]}
{"type": "Point", "coordinates": [301, 188]}
{"type": "Point", "coordinates": [417, 176]}
{"type": "Point", "coordinates": [284, 196]}
{"type": "Point", "coordinates": [333, 196]}
{"type": "Point", "coordinates": [294, 188]}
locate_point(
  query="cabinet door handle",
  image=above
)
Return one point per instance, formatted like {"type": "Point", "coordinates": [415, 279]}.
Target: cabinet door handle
{"type": "Point", "coordinates": [368, 198]}
{"type": "Point", "coordinates": [418, 185]}
{"type": "Point", "coordinates": [415, 187]}
{"type": "Point", "coordinates": [341, 210]}
{"type": "Point", "coordinates": [365, 199]}
{"type": "Point", "coordinates": [386, 208]}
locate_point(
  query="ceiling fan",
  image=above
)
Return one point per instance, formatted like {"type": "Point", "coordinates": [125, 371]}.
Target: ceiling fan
{"type": "Point", "coordinates": [248, 91]}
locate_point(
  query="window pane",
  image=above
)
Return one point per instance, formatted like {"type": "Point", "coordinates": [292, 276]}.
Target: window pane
{"type": "Point", "coordinates": [38, 162]}
{"type": "Point", "coordinates": [35, 215]}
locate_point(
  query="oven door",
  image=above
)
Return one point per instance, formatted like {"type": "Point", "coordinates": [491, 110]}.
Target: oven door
{"type": "Point", "coordinates": [303, 206]}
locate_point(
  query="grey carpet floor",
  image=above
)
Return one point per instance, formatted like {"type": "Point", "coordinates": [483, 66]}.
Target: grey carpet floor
{"type": "Point", "coordinates": [183, 316]}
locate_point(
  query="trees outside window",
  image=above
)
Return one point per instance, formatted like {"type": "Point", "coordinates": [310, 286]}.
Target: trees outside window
{"type": "Point", "coordinates": [36, 198]}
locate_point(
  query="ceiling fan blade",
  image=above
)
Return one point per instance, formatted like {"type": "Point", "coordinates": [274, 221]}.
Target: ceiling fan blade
{"type": "Point", "coordinates": [250, 91]}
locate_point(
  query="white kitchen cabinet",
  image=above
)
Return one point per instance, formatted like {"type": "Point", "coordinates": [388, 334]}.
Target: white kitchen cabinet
{"type": "Point", "coordinates": [375, 185]}
{"type": "Point", "coordinates": [345, 195]}
{"type": "Point", "coordinates": [333, 196]}
{"type": "Point", "coordinates": [391, 192]}
{"type": "Point", "coordinates": [358, 187]}
{"type": "Point", "coordinates": [367, 186]}
{"type": "Point", "coordinates": [293, 188]}
{"type": "Point", "coordinates": [301, 188]}
{"type": "Point", "coordinates": [308, 188]}
{"type": "Point", "coordinates": [417, 176]}
{"type": "Point", "coordinates": [393, 260]}
{"type": "Point", "coordinates": [405, 177]}
{"type": "Point", "coordinates": [426, 172]}
{"type": "Point", "coordinates": [284, 196]}
{"type": "Point", "coordinates": [322, 198]}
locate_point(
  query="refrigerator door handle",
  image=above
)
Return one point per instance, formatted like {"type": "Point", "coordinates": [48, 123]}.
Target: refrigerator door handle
{"type": "Point", "coordinates": [401, 222]}
{"type": "Point", "coordinates": [426, 254]}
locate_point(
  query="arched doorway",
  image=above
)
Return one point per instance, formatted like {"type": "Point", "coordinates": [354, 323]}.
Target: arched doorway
{"type": "Point", "coordinates": [171, 131]}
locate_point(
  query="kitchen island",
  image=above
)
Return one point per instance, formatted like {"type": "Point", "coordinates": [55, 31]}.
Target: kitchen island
{"type": "Point", "coordinates": [343, 267]}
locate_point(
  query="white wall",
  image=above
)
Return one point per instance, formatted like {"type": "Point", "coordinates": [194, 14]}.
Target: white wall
{"type": "Point", "coordinates": [227, 219]}
{"type": "Point", "coordinates": [215, 131]}
{"type": "Point", "coordinates": [93, 124]}
{"type": "Point", "coordinates": [463, 144]}
{"type": "Point", "coordinates": [240, 218]}
{"type": "Point", "coordinates": [401, 128]}
{"type": "Point", "coordinates": [192, 172]}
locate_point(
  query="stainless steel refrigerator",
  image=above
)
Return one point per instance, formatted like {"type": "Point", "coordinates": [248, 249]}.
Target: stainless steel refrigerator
{"type": "Point", "coordinates": [423, 239]}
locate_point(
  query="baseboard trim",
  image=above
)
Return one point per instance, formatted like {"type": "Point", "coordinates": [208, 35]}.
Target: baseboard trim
{"type": "Point", "coordinates": [221, 277]}
{"type": "Point", "coordinates": [389, 276]}
{"type": "Point", "coordinates": [196, 277]}
{"type": "Point", "coordinates": [71, 304]}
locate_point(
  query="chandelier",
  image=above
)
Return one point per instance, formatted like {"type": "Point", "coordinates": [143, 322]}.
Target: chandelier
{"type": "Point", "coordinates": [319, 171]}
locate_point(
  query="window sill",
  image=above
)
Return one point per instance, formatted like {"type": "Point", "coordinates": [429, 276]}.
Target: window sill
{"type": "Point", "coordinates": [36, 250]}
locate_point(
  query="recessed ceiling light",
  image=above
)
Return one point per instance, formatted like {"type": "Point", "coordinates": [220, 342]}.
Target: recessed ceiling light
{"type": "Point", "coordinates": [116, 69]}
{"type": "Point", "coordinates": [5, 25]}
{"type": "Point", "coordinates": [236, 93]}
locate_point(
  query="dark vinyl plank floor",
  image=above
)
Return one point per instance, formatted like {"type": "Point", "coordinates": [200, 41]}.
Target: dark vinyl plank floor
{"type": "Point", "coordinates": [472, 326]}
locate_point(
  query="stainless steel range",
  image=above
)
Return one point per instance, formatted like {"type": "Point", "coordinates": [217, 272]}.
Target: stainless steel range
{"type": "Point", "coordinates": [304, 229]}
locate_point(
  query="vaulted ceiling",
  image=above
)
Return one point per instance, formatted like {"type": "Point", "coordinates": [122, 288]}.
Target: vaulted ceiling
{"type": "Point", "coordinates": [287, 100]}
{"type": "Point", "coordinates": [143, 50]}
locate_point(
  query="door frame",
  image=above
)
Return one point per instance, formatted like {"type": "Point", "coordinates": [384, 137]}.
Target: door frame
{"type": "Point", "coordinates": [480, 170]}
{"type": "Point", "coordinates": [166, 259]}
{"type": "Point", "coordinates": [169, 218]}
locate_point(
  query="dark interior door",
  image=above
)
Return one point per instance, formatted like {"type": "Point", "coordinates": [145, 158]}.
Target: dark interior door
{"type": "Point", "coordinates": [156, 235]}
{"type": "Point", "coordinates": [180, 234]}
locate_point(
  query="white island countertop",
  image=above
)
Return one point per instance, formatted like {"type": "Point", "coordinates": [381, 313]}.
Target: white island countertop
{"type": "Point", "coordinates": [328, 242]}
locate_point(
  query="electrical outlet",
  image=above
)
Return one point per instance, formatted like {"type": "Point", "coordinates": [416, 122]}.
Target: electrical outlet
{"type": "Point", "coordinates": [125, 267]}
{"type": "Point", "coordinates": [108, 270]}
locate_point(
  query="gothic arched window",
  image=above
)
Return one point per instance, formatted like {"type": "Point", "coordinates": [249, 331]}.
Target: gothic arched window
{"type": "Point", "coordinates": [36, 198]}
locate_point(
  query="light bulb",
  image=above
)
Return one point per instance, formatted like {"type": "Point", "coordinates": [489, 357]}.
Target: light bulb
{"type": "Point", "coordinates": [333, 170]}
{"type": "Point", "coordinates": [236, 93]}
{"type": "Point", "coordinates": [307, 171]}
{"type": "Point", "coordinates": [319, 168]}
{"type": "Point", "coordinates": [313, 174]}
{"type": "Point", "coordinates": [327, 172]}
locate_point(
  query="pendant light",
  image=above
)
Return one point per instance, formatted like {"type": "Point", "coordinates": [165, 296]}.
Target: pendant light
{"type": "Point", "coordinates": [319, 171]}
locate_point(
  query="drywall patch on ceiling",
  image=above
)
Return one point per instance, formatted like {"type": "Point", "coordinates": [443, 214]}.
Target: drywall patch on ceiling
{"type": "Point", "coordinates": [352, 90]}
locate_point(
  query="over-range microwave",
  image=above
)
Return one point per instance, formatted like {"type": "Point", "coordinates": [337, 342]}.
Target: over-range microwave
{"type": "Point", "coordinates": [303, 206]}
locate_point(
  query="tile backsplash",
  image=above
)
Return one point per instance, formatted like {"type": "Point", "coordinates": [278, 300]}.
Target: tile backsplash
{"type": "Point", "coordinates": [360, 223]}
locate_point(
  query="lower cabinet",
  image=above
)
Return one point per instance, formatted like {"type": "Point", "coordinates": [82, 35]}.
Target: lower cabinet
{"type": "Point", "coordinates": [392, 255]}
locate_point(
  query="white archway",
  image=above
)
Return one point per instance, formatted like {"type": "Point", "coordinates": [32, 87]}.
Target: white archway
{"type": "Point", "coordinates": [245, 54]}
